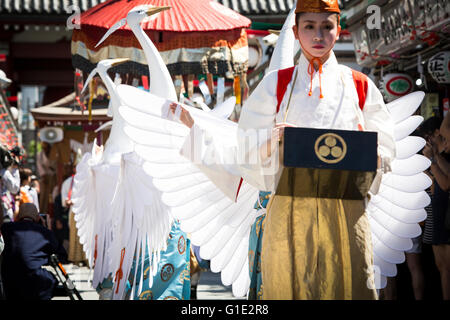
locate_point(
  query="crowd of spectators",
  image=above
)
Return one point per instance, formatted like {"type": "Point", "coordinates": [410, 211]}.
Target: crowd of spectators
{"type": "Point", "coordinates": [28, 236]}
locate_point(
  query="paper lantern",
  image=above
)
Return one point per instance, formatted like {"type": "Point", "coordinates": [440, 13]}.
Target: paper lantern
{"type": "Point", "coordinates": [439, 67]}
{"type": "Point", "coordinates": [396, 85]}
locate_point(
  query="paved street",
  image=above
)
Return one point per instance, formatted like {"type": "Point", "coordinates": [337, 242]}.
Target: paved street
{"type": "Point", "coordinates": [209, 287]}
{"type": "Point", "coordinates": [81, 277]}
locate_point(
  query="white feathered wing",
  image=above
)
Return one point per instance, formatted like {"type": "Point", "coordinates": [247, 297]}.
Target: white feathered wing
{"type": "Point", "coordinates": [84, 195]}
{"type": "Point", "coordinates": [220, 226]}
{"type": "Point", "coordinates": [395, 211]}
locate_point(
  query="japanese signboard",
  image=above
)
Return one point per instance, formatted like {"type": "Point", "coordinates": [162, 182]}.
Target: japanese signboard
{"type": "Point", "coordinates": [439, 67]}
{"type": "Point", "coordinates": [396, 28]}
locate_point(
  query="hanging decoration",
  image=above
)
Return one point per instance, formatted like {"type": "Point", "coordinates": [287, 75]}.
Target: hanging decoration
{"type": "Point", "coordinates": [237, 89]}
{"type": "Point", "coordinates": [210, 82]}
{"type": "Point", "coordinates": [203, 86]}
{"type": "Point", "coordinates": [78, 88]}
{"type": "Point", "coordinates": [220, 89]}
{"type": "Point", "coordinates": [178, 83]}
{"type": "Point", "coordinates": [439, 67]}
{"type": "Point", "coordinates": [145, 83]}
{"type": "Point", "coordinates": [396, 85]}
{"type": "Point", "coordinates": [92, 93]}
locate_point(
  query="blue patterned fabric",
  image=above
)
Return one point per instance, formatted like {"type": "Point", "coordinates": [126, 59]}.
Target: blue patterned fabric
{"type": "Point", "coordinates": [254, 249]}
{"type": "Point", "coordinates": [172, 281]}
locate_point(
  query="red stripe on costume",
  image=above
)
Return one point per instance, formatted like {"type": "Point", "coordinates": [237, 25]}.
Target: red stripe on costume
{"type": "Point", "coordinates": [284, 77]}
{"type": "Point", "coordinates": [362, 85]}
{"type": "Point", "coordinates": [239, 189]}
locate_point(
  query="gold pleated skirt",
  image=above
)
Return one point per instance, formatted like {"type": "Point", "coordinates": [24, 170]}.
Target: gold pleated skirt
{"type": "Point", "coordinates": [76, 253]}
{"type": "Point", "coordinates": [316, 248]}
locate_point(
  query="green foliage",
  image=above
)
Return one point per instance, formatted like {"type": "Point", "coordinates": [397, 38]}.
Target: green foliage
{"type": "Point", "coordinates": [31, 149]}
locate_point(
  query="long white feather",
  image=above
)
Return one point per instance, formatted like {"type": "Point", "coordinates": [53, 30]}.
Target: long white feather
{"type": "Point", "coordinates": [394, 213]}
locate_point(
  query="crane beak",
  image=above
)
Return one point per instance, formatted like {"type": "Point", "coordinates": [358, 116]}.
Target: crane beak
{"type": "Point", "coordinates": [116, 26]}
{"type": "Point", "coordinates": [104, 126]}
{"type": "Point", "coordinates": [91, 75]}
{"type": "Point", "coordinates": [118, 61]}
{"type": "Point", "coordinates": [275, 32]}
{"type": "Point", "coordinates": [155, 10]}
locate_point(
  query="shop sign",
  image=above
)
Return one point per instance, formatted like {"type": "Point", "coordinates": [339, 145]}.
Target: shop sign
{"type": "Point", "coordinates": [439, 67]}
{"type": "Point", "coordinates": [397, 85]}
{"type": "Point", "coordinates": [404, 25]}
{"type": "Point", "coordinates": [395, 35]}
{"type": "Point", "coordinates": [361, 44]}
{"type": "Point", "coordinates": [397, 25]}
{"type": "Point", "coordinates": [430, 14]}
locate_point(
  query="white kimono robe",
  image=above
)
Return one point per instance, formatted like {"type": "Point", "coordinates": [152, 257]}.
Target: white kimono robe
{"type": "Point", "coordinates": [338, 109]}
{"type": "Point", "coordinates": [314, 248]}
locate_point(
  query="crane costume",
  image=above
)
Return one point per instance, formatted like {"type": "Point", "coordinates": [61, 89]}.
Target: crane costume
{"type": "Point", "coordinates": [220, 222]}
{"type": "Point", "coordinates": [115, 203]}
{"type": "Point", "coordinates": [323, 246]}
{"type": "Point", "coordinates": [312, 248]}
{"type": "Point", "coordinates": [336, 261]}
{"type": "Point", "coordinates": [317, 248]}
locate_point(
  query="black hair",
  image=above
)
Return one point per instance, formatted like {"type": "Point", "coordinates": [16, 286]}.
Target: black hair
{"type": "Point", "coordinates": [430, 125]}
{"type": "Point", "coordinates": [25, 173]}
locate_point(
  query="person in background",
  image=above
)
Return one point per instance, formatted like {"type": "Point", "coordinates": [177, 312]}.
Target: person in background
{"type": "Point", "coordinates": [28, 247]}
{"type": "Point", "coordinates": [25, 181]}
{"type": "Point", "coordinates": [9, 186]}
{"type": "Point", "coordinates": [444, 128]}
{"type": "Point", "coordinates": [9, 182]}
{"type": "Point", "coordinates": [61, 221]}
{"type": "Point", "coordinates": [35, 190]}
{"type": "Point", "coordinates": [438, 151]}
{"type": "Point", "coordinates": [46, 173]}
{"type": "Point", "coordinates": [76, 253]}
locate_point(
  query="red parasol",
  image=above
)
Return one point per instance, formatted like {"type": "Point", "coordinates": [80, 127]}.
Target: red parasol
{"type": "Point", "coordinates": [185, 15]}
{"type": "Point", "coordinates": [193, 37]}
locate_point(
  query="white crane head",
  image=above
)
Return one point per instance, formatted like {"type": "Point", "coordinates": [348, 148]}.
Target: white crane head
{"type": "Point", "coordinates": [139, 13]}
{"type": "Point", "coordinates": [103, 66]}
{"type": "Point", "coordinates": [134, 16]}
{"type": "Point", "coordinates": [271, 39]}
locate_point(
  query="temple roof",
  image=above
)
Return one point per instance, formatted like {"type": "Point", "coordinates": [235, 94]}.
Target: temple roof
{"type": "Point", "coordinates": [65, 110]}
{"type": "Point", "coordinates": [54, 7]}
